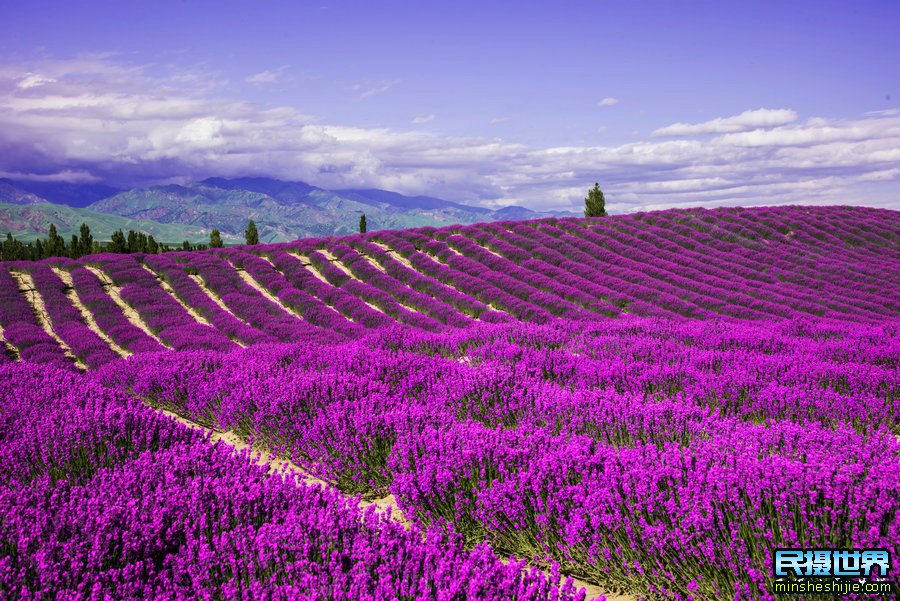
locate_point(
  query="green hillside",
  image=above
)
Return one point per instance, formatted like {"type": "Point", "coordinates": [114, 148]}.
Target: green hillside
{"type": "Point", "coordinates": [28, 222]}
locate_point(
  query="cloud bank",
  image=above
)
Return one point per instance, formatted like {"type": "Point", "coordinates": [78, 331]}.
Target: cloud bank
{"type": "Point", "coordinates": [91, 119]}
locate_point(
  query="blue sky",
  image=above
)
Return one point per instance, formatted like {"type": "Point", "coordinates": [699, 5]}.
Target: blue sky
{"type": "Point", "coordinates": [664, 103]}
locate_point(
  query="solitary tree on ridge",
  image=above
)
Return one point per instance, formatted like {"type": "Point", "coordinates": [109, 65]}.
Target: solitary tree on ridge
{"type": "Point", "coordinates": [595, 203]}
{"type": "Point", "coordinates": [251, 236]}
{"type": "Point", "coordinates": [362, 223]}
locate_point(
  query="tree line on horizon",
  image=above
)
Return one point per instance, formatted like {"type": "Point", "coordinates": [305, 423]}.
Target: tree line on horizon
{"type": "Point", "coordinates": [83, 244]}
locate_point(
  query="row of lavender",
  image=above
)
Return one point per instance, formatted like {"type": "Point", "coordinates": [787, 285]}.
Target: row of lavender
{"type": "Point", "coordinates": [102, 498]}
{"type": "Point", "coordinates": [643, 455]}
{"type": "Point", "coordinates": [757, 265]}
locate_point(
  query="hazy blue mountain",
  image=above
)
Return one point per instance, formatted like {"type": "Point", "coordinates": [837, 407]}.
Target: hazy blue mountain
{"type": "Point", "coordinates": [286, 210]}
{"type": "Point", "coordinates": [282, 191]}
{"type": "Point", "coordinates": [373, 196]}
{"type": "Point", "coordinates": [282, 210]}
{"type": "Point", "coordinates": [12, 194]}
{"type": "Point", "coordinates": [67, 193]}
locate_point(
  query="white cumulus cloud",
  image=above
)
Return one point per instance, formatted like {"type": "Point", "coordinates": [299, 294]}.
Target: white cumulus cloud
{"type": "Point", "coordinates": [101, 121]}
{"type": "Point", "coordinates": [608, 101]}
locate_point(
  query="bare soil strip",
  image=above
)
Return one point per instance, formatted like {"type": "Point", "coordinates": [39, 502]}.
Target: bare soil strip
{"type": "Point", "coordinates": [281, 466]}
{"type": "Point", "coordinates": [86, 315]}
{"type": "Point", "coordinates": [26, 286]}
{"type": "Point", "coordinates": [191, 311]}
{"type": "Point", "coordinates": [315, 271]}
{"type": "Point", "coordinates": [340, 265]}
{"type": "Point", "coordinates": [288, 469]}
{"type": "Point", "coordinates": [373, 263]}
{"type": "Point", "coordinates": [312, 269]}
{"type": "Point", "coordinates": [165, 286]}
{"type": "Point", "coordinates": [405, 262]}
{"type": "Point", "coordinates": [130, 314]}
{"type": "Point", "coordinates": [487, 249]}
{"type": "Point", "coordinates": [337, 263]}
{"type": "Point", "coordinates": [214, 297]}
{"type": "Point", "coordinates": [251, 281]}
{"type": "Point", "coordinates": [10, 348]}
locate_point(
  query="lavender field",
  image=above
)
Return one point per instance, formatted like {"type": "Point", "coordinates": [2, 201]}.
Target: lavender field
{"type": "Point", "coordinates": [649, 403]}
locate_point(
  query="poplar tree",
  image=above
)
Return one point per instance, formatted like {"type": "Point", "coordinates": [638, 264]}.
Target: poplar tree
{"type": "Point", "coordinates": [85, 241]}
{"type": "Point", "coordinates": [251, 236]}
{"type": "Point", "coordinates": [215, 239]}
{"type": "Point", "coordinates": [56, 244]}
{"type": "Point", "coordinates": [362, 223]}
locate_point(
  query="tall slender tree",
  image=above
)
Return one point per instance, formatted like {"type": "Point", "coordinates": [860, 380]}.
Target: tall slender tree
{"type": "Point", "coordinates": [362, 223]}
{"type": "Point", "coordinates": [215, 239]}
{"type": "Point", "coordinates": [85, 240]}
{"type": "Point", "coordinates": [595, 203]}
{"type": "Point", "coordinates": [56, 244]}
{"type": "Point", "coordinates": [251, 236]}
{"type": "Point", "coordinates": [118, 243]}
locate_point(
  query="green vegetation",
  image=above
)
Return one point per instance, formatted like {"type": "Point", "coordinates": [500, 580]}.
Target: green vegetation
{"type": "Point", "coordinates": [84, 244]}
{"type": "Point", "coordinates": [251, 236]}
{"type": "Point", "coordinates": [595, 203]}
{"type": "Point", "coordinates": [215, 239]}
{"type": "Point", "coordinates": [362, 223]}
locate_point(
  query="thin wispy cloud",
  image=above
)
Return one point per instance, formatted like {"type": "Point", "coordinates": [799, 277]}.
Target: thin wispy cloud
{"type": "Point", "coordinates": [267, 76]}
{"type": "Point", "coordinates": [116, 126]}
{"type": "Point", "coordinates": [420, 119]}
{"type": "Point", "coordinates": [367, 90]}
{"type": "Point", "coordinates": [608, 101]}
{"type": "Point", "coordinates": [34, 80]}
{"type": "Point", "coordinates": [748, 120]}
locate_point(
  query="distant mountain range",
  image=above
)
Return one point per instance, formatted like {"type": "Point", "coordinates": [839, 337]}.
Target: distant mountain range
{"type": "Point", "coordinates": [282, 210]}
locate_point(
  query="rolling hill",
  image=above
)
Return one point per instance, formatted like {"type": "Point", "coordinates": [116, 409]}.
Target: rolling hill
{"type": "Point", "coordinates": [651, 402]}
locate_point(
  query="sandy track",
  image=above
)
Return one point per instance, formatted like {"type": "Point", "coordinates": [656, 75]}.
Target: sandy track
{"type": "Point", "coordinates": [286, 468]}
{"type": "Point", "coordinates": [214, 297]}
{"type": "Point", "coordinates": [315, 271]}
{"type": "Point", "coordinates": [171, 292]}
{"type": "Point", "coordinates": [251, 281]}
{"type": "Point", "coordinates": [340, 265]}
{"type": "Point", "coordinates": [191, 311]}
{"type": "Point", "coordinates": [281, 466]}
{"type": "Point", "coordinates": [372, 262]}
{"type": "Point", "coordinates": [10, 348]}
{"type": "Point", "coordinates": [26, 287]}
{"type": "Point", "coordinates": [127, 310]}
{"type": "Point", "coordinates": [406, 263]}
{"type": "Point", "coordinates": [86, 315]}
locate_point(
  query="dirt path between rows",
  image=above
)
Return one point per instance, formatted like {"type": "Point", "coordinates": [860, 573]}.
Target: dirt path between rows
{"type": "Point", "coordinates": [171, 292]}
{"type": "Point", "coordinates": [127, 310]}
{"type": "Point", "coordinates": [34, 298]}
{"type": "Point", "coordinates": [214, 297]}
{"type": "Point", "coordinates": [287, 469]}
{"type": "Point", "coordinates": [251, 281]}
{"type": "Point", "coordinates": [307, 264]}
{"type": "Point", "coordinates": [196, 316]}
{"type": "Point", "coordinates": [11, 350]}
{"type": "Point", "coordinates": [406, 263]}
{"type": "Point", "coordinates": [340, 265]}
{"type": "Point", "coordinates": [86, 315]}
